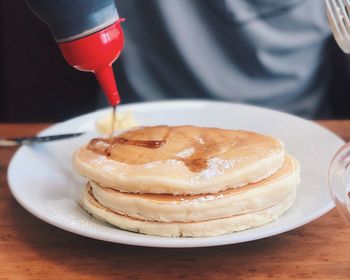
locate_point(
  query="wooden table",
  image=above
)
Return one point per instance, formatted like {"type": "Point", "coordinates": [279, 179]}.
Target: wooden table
{"type": "Point", "coordinates": [32, 249]}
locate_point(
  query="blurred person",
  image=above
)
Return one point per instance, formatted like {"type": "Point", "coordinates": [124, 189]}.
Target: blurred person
{"type": "Point", "coordinates": [269, 53]}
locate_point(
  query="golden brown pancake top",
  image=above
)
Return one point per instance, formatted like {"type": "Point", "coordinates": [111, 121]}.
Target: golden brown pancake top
{"type": "Point", "coordinates": [194, 146]}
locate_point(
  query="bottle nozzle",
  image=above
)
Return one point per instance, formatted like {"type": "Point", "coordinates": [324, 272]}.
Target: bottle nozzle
{"type": "Point", "coordinates": [105, 77]}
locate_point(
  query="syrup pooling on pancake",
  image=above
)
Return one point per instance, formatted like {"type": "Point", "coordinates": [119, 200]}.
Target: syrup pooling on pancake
{"type": "Point", "coordinates": [105, 146]}
{"type": "Point", "coordinates": [198, 148]}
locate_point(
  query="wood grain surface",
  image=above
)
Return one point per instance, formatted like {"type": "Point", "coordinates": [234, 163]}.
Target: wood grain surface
{"type": "Point", "coordinates": [32, 249]}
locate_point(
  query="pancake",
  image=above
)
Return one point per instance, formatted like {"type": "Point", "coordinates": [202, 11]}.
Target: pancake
{"type": "Point", "coordinates": [168, 208]}
{"type": "Point", "coordinates": [183, 160]}
{"type": "Point", "coordinates": [192, 229]}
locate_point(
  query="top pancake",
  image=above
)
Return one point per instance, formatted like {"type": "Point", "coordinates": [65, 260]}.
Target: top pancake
{"type": "Point", "coordinates": [182, 160]}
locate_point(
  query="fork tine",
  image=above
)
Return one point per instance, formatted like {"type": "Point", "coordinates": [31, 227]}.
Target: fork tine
{"type": "Point", "coordinates": [345, 16]}
{"type": "Point", "coordinates": [333, 20]}
{"type": "Point", "coordinates": [340, 19]}
{"type": "Point", "coordinates": [347, 5]}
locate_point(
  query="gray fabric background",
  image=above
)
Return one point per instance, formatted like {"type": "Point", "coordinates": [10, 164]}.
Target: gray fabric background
{"type": "Point", "coordinates": [265, 52]}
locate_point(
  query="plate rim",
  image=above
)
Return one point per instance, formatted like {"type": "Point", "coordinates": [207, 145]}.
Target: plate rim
{"type": "Point", "coordinates": [156, 241]}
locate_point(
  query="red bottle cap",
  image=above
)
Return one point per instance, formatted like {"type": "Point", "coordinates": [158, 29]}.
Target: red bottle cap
{"type": "Point", "coordinates": [96, 53]}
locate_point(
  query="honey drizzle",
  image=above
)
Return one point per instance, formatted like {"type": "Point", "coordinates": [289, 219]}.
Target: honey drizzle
{"type": "Point", "coordinates": [112, 141]}
{"type": "Point", "coordinates": [112, 127]}
{"type": "Point", "coordinates": [150, 144]}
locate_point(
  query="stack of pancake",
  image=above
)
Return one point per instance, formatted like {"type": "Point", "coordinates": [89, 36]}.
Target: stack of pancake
{"type": "Point", "coordinates": [187, 180]}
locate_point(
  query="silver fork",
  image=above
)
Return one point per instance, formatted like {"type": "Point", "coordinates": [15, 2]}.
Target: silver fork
{"type": "Point", "coordinates": [338, 12]}
{"type": "Point", "coordinates": [11, 142]}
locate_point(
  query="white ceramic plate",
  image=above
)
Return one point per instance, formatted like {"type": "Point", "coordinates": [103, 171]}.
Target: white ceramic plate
{"type": "Point", "coordinates": [42, 180]}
